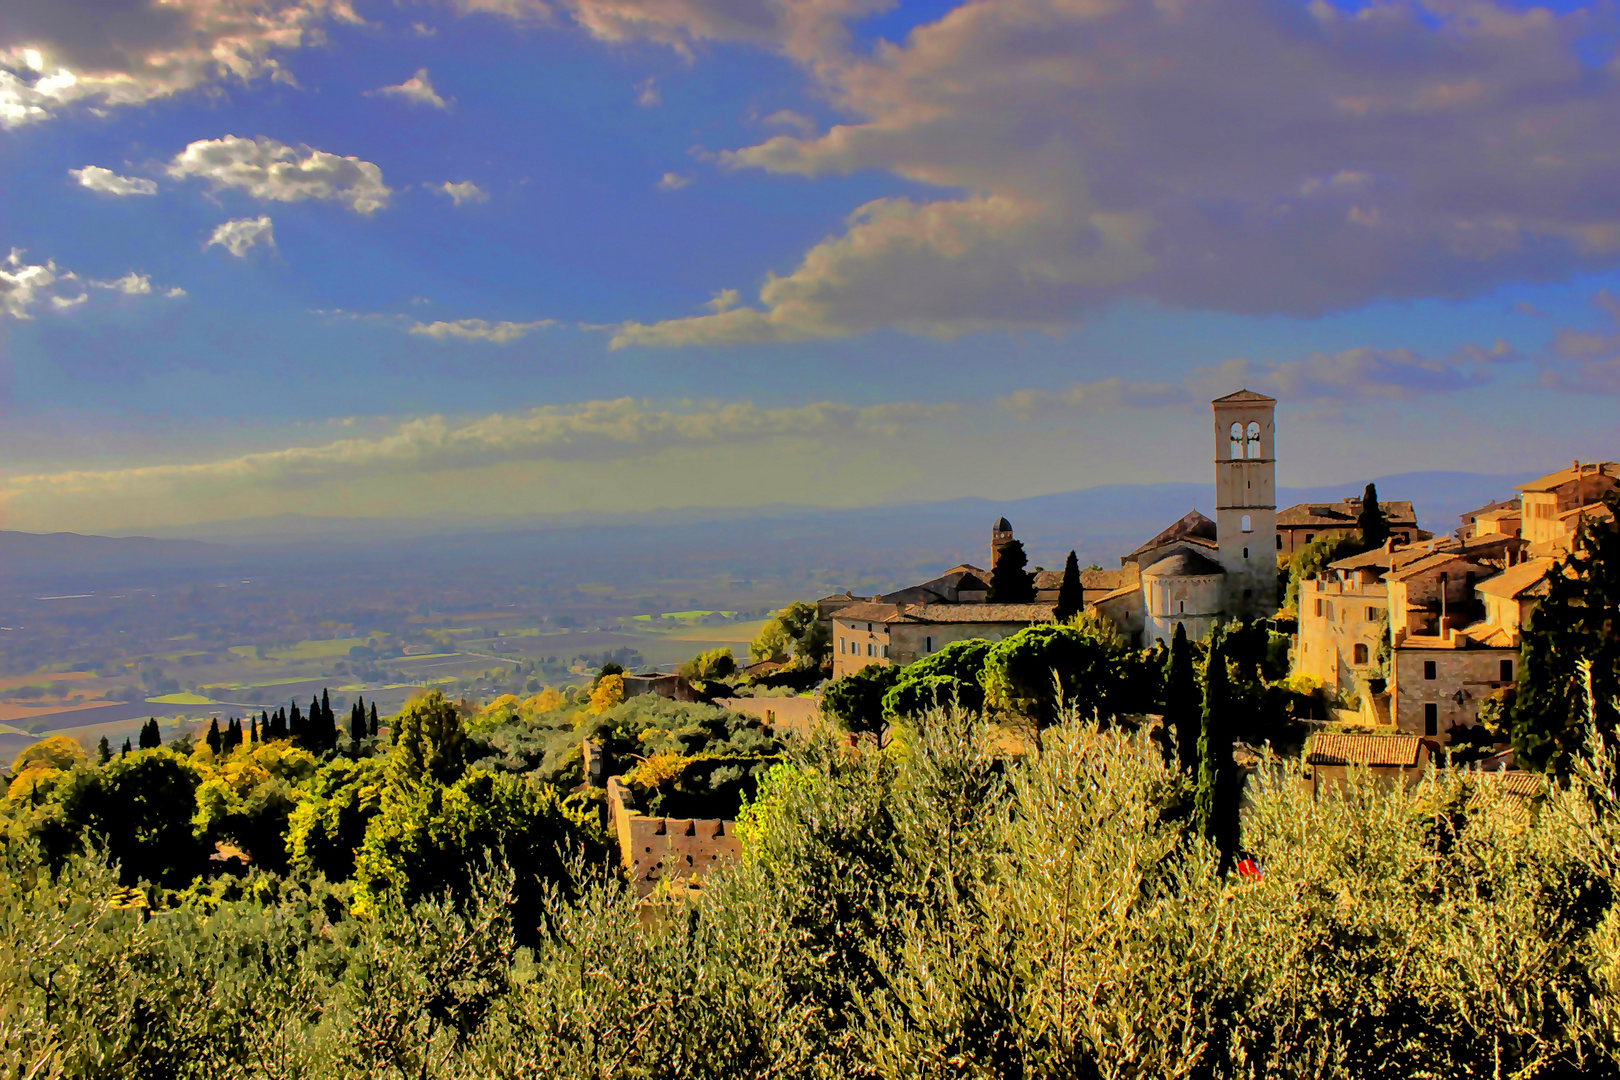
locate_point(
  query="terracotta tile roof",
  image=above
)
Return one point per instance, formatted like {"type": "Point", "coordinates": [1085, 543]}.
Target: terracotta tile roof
{"type": "Point", "coordinates": [1091, 580]}
{"type": "Point", "coordinates": [1555, 480]}
{"type": "Point", "coordinates": [1517, 782]}
{"type": "Point", "coordinates": [1515, 581]}
{"type": "Point", "coordinates": [1381, 750]}
{"type": "Point", "coordinates": [1595, 511]}
{"type": "Point", "coordinates": [1441, 557]}
{"type": "Point", "coordinates": [1191, 526]}
{"type": "Point", "coordinates": [864, 611]}
{"type": "Point", "coordinates": [975, 613]}
{"type": "Point", "coordinates": [1488, 636]}
{"type": "Point", "coordinates": [1343, 513]}
{"type": "Point", "coordinates": [1244, 395]}
{"type": "Point", "coordinates": [1504, 513]}
{"type": "Point", "coordinates": [1124, 590]}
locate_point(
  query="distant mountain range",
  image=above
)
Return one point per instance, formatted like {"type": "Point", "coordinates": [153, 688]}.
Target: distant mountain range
{"type": "Point", "coordinates": [873, 543]}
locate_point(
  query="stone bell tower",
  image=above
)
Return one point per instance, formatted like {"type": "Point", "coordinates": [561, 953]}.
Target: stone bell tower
{"type": "Point", "coordinates": [1246, 502]}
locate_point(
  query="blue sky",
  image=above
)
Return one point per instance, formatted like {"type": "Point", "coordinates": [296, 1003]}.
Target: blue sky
{"type": "Point", "coordinates": [826, 251]}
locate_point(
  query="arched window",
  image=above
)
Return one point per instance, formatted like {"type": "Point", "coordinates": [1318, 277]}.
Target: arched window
{"type": "Point", "coordinates": [1254, 439]}
{"type": "Point", "coordinates": [1237, 441]}
{"type": "Point", "coordinates": [1247, 523]}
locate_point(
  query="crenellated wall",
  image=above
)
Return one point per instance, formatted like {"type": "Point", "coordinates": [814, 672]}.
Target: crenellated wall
{"type": "Point", "coordinates": [654, 849]}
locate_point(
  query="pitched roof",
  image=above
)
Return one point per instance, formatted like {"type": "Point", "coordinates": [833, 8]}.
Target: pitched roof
{"type": "Point", "coordinates": [1515, 581]}
{"type": "Point", "coordinates": [1092, 580]}
{"type": "Point", "coordinates": [1344, 513]}
{"type": "Point", "coordinates": [1190, 526]}
{"type": "Point", "coordinates": [1440, 557]}
{"type": "Point", "coordinates": [865, 611]}
{"type": "Point", "coordinates": [976, 613]}
{"type": "Point", "coordinates": [1555, 480]}
{"type": "Point", "coordinates": [1184, 564]}
{"type": "Point", "coordinates": [1401, 751]}
{"type": "Point", "coordinates": [1243, 395]}
{"type": "Point", "coordinates": [1501, 513]}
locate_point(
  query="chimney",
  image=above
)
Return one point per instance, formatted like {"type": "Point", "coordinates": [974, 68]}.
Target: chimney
{"type": "Point", "coordinates": [1389, 546]}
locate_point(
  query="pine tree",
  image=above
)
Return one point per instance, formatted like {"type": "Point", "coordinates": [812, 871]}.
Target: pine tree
{"type": "Point", "coordinates": [103, 751]}
{"type": "Point", "coordinates": [1009, 582]}
{"type": "Point", "coordinates": [1071, 598]}
{"type": "Point", "coordinates": [1183, 707]}
{"type": "Point", "coordinates": [357, 722]}
{"type": "Point", "coordinates": [1220, 786]}
{"type": "Point", "coordinates": [213, 738]}
{"type": "Point", "coordinates": [1372, 521]}
{"type": "Point", "coordinates": [373, 724]}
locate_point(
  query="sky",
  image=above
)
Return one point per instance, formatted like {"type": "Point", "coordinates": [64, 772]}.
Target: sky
{"type": "Point", "coordinates": [503, 258]}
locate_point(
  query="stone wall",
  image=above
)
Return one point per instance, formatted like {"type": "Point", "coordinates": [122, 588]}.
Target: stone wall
{"type": "Point", "coordinates": [1464, 679]}
{"type": "Point", "coordinates": [654, 849]}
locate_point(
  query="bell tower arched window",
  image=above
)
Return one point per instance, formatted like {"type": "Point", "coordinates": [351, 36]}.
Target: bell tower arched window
{"type": "Point", "coordinates": [1254, 440]}
{"type": "Point", "coordinates": [1246, 523]}
{"type": "Point", "coordinates": [1237, 442]}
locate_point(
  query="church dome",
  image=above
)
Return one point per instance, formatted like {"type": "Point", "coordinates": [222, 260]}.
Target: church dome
{"type": "Point", "coordinates": [1184, 564]}
{"type": "Point", "coordinates": [1002, 525]}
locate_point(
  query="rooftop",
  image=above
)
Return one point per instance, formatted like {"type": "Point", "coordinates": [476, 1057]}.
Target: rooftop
{"type": "Point", "coordinates": [1555, 480]}
{"type": "Point", "coordinates": [975, 613]}
{"type": "Point", "coordinates": [1515, 581]}
{"type": "Point", "coordinates": [1242, 396]}
{"type": "Point", "coordinates": [1184, 564]}
{"type": "Point", "coordinates": [1400, 751]}
{"type": "Point", "coordinates": [1190, 526]}
{"type": "Point", "coordinates": [1344, 512]}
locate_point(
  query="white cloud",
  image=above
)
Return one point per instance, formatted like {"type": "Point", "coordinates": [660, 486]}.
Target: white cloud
{"type": "Point", "coordinates": [274, 172]}
{"type": "Point", "coordinates": [107, 182]}
{"type": "Point", "coordinates": [647, 93]}
{"type": "Point", "coordinates": [587, 432]}
{"type": "Point", "coordinates": [25, 287]}
{"type": "Point", "coordinates": [131, 284]}
{"type": "Point", "coordinates": [108, 53]}
{"type": "Point", "coordinates": [673, 181]}
{"type": "Point", "coordinates": [174, 293]}
{"type": "Point", "coordinates": [242, 235]}
{"type": "Point", "coordinates": [798, 122]}
{"type": "Point", "coordinates": [418, 90]}
{"type": "Point", "coordinates": [463, 192]}
{"type": "Point", "coordinates": [1236, 155]}
{"type": "Point", "coordinates": [480, 330]}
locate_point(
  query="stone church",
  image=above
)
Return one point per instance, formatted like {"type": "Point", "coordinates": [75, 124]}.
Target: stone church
{"type": "Point", "coordinates": [1198, 572]}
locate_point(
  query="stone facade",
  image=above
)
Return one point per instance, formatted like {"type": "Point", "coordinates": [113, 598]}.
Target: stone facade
{"type": "Point", "coordinates": [1246, 502]}
{"type": "Point", "coordinates": [1341, 623]}
{"type": "Point", "coordinates": [878, 633]}
{"type": "Point", "coordinates": [1185, 589]}
{"type": "Point", "coordinates": [1440, 681]}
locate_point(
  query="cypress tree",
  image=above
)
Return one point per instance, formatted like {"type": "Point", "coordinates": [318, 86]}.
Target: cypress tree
{"type": "Point", "coordinates": [233, 734]}
{"type": "Point", "coordinates": [253, 729]}
{"type": "Point", "coordinates": [1009, 582]}
{"type": "Point", "coordinates": [1183, 707]}
{"type": "Point", "coordinates": [213, 739]}
{"type": "Point", "coordinates": [127, 747]}
{"type": "Point", "coordinates": [1220, 786]}
{"type": "Point", "coordinates": [329, 732]}
{"type": "Point", "coordinates": [151, 738]}
{"type": "Point", "coordinates": [1071, 594]}
{"type": "Point", "coordinates": [357, 722]}
{"type": "Point", "coordinates": [1372, 521]}
{"type": "Point", "coordinates": [373, 724]}
{"type": "Point", "coordinates": [103, 751]}
{"type": "Point", "coordinates": [295, 725]}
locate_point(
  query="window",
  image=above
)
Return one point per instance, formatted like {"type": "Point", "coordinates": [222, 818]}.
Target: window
{"type": "Point", "coordinates": [1330, 611]}
{"type": "Point", "coordinates": [1431, 719]}
{"type": "Point", "coordinates": [1246, 523]}
{"type": "Point", "coordinates": [1237, 440]}
{"type": "Point", "coordinates": [868, 628]}
{"type": "Point", "coordinates": [1318, 607]}
{"type": "Point", "coordinates": [928, 644]}
{"type": "Point", "coordinates": [885, 652]}
{"type": "Point", "coordinates": [1183, 611]}
{"type": "Point", "coordinates": [840, 644]}
{"type": "Point", "coordinates": [1279, 541]}
{"type": "Point", "coordinates": [871, 648]}
{"type": "Point", "coordinates": [1507, 671]}
{"type": "Point", "coordinates": [1254, 439]}
{"type": "Point", "coordinates": [1360, 654]}
{"type": "Point", "coordinates": [1428, 670]}
{"type": "Point", "coordinates": [1245, 554]}
{"type": "Point", "coordinates": [1309, 537]}
{"type": "Point", "coordinates": [1372, 614]}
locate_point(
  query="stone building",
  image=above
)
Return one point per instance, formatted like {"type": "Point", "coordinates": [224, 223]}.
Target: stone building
{"type": "Point", "coordinates": [1303, 522]}
{"type": "Point", "coordinates": [875, 632]}
{"type": "Point", "coordinates": [1553, 506]}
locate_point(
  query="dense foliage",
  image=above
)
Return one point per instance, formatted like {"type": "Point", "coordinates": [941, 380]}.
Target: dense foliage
{"type": "Point", "coordinates": [932, 909]}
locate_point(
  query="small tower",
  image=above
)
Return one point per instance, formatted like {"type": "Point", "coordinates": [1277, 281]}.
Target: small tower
{"type": "Point", "coordinates": [1001, 535]}
{"type": "Point", "coordinates": [1246, 502]}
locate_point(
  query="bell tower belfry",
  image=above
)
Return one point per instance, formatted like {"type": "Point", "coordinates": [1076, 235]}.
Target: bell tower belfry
{"type": "Point", "coordinates": [1246, 502]}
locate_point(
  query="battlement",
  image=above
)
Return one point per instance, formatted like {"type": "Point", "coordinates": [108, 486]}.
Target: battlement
{"type": "Point", "coordinates": [654, 849]}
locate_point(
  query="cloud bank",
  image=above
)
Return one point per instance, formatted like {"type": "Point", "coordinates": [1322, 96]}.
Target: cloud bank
{"type": "Point", "coordinates": [1243, 156]}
